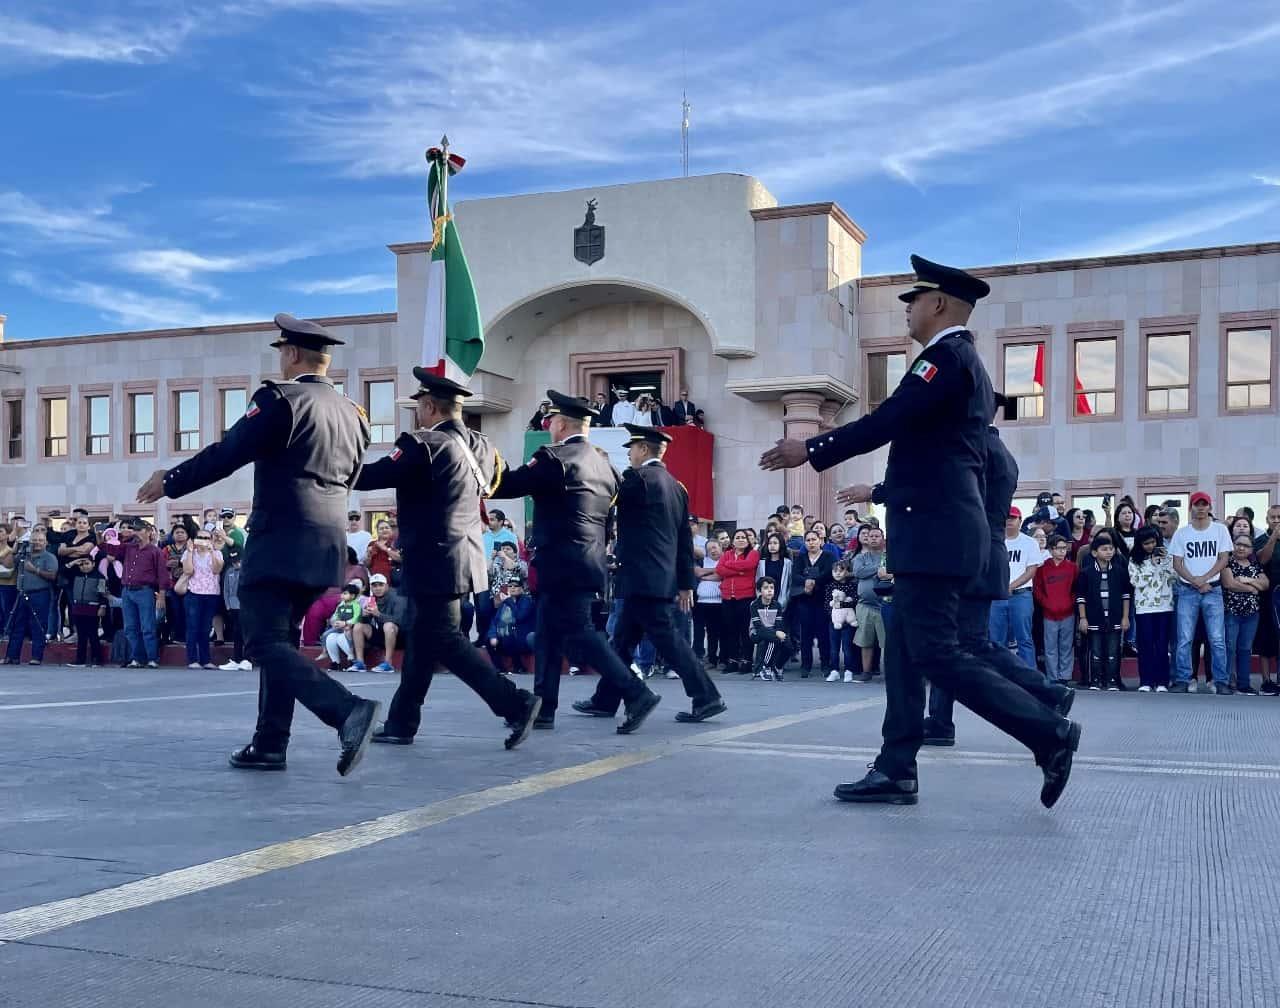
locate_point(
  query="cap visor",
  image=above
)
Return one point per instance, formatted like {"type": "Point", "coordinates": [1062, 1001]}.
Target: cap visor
{"type": "Point", "coordinates": [409, 403]}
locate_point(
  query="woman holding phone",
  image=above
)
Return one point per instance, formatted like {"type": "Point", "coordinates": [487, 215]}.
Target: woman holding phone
{"type": "Point", "coordinates": [202, 567]}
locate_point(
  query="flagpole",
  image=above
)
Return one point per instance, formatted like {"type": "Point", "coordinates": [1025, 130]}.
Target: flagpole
{"type": "Point", "coordinates": [444, 178]}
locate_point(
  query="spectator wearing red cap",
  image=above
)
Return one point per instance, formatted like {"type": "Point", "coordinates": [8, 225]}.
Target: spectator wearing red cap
{"type": "Point", "coordinates": [1011, 618]}
{"type": "Point", "coordinates": [1200, 550]}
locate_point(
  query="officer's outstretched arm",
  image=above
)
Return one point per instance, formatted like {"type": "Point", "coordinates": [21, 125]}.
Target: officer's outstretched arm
{"type": "Point", "coordinates": [407, 463]}
{"type": "Point", "coordinates": [263, 429]}
{"type": "Point", "coordinates": [926, 395]}
{"type": "Point", "coordinates": [540, 473]}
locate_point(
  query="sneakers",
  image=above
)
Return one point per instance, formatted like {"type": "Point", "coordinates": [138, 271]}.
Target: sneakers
{"type": "Point", "coordinates": [246, 666]}
{"type": "Point", "coordinates": [1180, 687]}
{"type": "Point", "coordinates": [1095, 688]}
{"type": "Point", "coordinates": [862, 679]}
{"type": "Point", "coordinates": [357, 666]}
{"type": "Point", "coordinates": [193, 665]}
{"type": "Point", "coordinates": [766, 674]}
{"type": "Point", "coordinates": [383, 666]}
{"type": "Point", "coordinates": [153, 664]}
{"type": "Point", "coordinates": [848, 676]}
{"type": "Point", "coordinates": [672, 674]}
{"type": "Point", "coordinates": [1162, 689]}
{"type": "Point", "coordinates": [335, 666]}
{"type": "Point", "coordinates": [1269, 687]}
{"type": "Point", "coordinates": [833, 676]}
{"type": "Point", "coordinates": [1222, 689]}
{"type": "Point", "coordinates": [134, 664]}
{"type": "Point", "coordinates": [229, 666]}
{"type": "Point", "coordinates": [76, 665]}
{"type": "Point", "coordinates": [1113, 689]}
{"type": "Point", "coordinates": [1144, 689]}
{"type": "Point", "coordinates": [1246, 691]}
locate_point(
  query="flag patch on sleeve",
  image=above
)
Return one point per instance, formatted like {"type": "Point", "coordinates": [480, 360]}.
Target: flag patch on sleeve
{"type": "Point", "coordinates": [923, 369]}
{"type": "Point", "coordinates": [252, 411]}
{"type": "Point", "coordinates": [395, 454]}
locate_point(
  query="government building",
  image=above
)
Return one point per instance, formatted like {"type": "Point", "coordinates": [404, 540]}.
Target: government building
{"type": "Point", "coordinates": [1149, 374]}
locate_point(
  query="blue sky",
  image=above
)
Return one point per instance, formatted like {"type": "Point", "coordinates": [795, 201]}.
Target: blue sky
{"type": "Point", "coordinates": [173, 162]}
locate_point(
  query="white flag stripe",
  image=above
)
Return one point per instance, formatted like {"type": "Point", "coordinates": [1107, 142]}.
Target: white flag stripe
{"type": "Point", "coordinates": [433, 320]}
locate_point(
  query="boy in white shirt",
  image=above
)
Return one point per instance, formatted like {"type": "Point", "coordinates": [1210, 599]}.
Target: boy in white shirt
{"type": "Point", "coordinates": [1011, 617]}
{"type": "Point", "coordinates": [1200, 550]}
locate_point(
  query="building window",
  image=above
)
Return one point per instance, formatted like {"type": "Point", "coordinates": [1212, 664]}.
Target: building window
{"type": "Point", "coordinates": [341, 387]}
{"type": "Point", "coordinates": [186, 420]}
{"type": "Point", "coordinates": [380, 402]}
{"type": "Point", "coordinates": [13, 430]}
{"type": "Point", "coordinates": [1095, 378]}
{"type": "Point", "coordinates": [1257, 500]}
{"type": "Point", "coordinates": [1248, 369]}
{"type": "Point", "coordinates": [1178, 499]}
{"type": "Point", "coordinates": [55, 427]}
{"type": "Point", "coordinates": [884, 372]}
{"type": "Point", "coordinates": [97, 425]}
{"type": "Point", "coordinates": [1168, 376]}
{"type": "Point", "coordinates": [1024, 378]}
{"type": "Point", "coordinates": [234, 403]}
{"type": "Point", "coordinates": [142, 423]}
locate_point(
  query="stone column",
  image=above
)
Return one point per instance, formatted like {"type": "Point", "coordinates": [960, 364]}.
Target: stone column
{"type": "Point", "coordinates": [801, 420]}
{"type": "Point", "coordinates": [827, 480]}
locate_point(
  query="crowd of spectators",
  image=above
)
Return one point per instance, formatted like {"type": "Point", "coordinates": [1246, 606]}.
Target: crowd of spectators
{"type": "Point", "coordinates": [647, 410]}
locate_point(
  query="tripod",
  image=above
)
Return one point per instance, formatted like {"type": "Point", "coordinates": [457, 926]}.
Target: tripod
{"type": "Point", "coordinates": [24, 599]}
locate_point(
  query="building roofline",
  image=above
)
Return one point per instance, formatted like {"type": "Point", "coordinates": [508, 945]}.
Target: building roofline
{"type": "Point", "coordinates": [814, 210]}
{"type": "Point", "coordinates": [215, 330]}
{"type": "Point", "coordinates": [1095, 262]}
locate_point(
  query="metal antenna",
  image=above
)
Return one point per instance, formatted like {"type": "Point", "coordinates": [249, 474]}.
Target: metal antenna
{"type": "Point", "coordinates": [1017, 243]}
{"type": "Point", "coordinates": [684, 112]}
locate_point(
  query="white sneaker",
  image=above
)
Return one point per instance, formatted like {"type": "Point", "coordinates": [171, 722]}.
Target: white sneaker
{"type": "Point", "coordinates": [1144, 689]}
{"type": "Point", "coordinates": [574, 670]}
{"type": "Point", "coordinates": [833, 676]}
{"type": "Point", "coordinates": [639, 672]}
{"type": "Point", "coordinates": [246, 666]}
{"type": "Point", "coordinates": [1162, 689]}
{"type": "Point", "coordinates": [194, 665]}
{"type": "Point", "coordinates": [672, 674]}
{"type": "Point", "coordinates": [229, 666]}
{"type": "Point", "coordinates": [848, 676]}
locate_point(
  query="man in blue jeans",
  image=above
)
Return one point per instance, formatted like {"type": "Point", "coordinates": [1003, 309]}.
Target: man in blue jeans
{"type": "Point", "coordinates": [1200, 551]}
{"type": "Point", "coordinates": [31, 607]}
{"type": "Point", "coordinates": [145, 579]}
{"type": "Point", "coordinates": [1010, 618]}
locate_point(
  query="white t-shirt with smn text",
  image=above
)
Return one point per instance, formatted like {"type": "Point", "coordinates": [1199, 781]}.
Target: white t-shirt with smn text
{"type": "Point", "coordinates": [1023, 552]}
{"type": "Point", "coordinates": [1199, 548]}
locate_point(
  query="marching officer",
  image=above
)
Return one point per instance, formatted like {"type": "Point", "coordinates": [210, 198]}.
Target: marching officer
{"type": "Point", "coordinates": [655, 563]}
{"type": "Point", "coordinates": [1000, 482]}
{"type": "Point", "coordinates": [572, 485]}
{"type": "Point", "coordinates": [936, 420]}
{"type": "Point", "coordinates": [307, 443]}
{"type": "Point", "coordinates": [440, 472]}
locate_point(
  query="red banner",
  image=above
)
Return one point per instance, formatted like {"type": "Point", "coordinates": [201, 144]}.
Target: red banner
{"type": "Point", "coordinates": [689, 459]}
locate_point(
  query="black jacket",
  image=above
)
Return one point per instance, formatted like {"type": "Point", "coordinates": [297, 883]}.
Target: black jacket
{"type": "Point", "coordinates": [655, 547]}
{"type": "Point", "coordinates": [936, 419]}
{"type": "Point", "coordinates": [1089, 588]}
{"type": "Point", "coordinates": [572, 485]}
{"type": "Point", "coordinates": [307, 443]}
{"type": "Point", "coordinates": [1000, 482]}
{"type": "Point", "coordinates": [681, 414]}
{"type": "Point", "coordinates": [438, 501]}
{"type": "Point", "coordinates": [802, 571]}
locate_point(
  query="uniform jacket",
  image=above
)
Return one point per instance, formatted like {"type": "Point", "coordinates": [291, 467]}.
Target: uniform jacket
{"type": "Point", "coordinates": [999, 483]}
{"type": "Point", "coordinates": [438, 501]}
{"type": "Point", "coordinates": [655, 546]}
{"type": "Point", "coordinates": [936, 420]}
{"type": "Point", "coordinates": [572, 485]}
{"type": "Point", "coordinates": [307, 443]}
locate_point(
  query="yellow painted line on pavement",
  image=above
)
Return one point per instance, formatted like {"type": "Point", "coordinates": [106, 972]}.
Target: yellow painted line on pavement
{"type": "Point", "coordinates": [29, 922]}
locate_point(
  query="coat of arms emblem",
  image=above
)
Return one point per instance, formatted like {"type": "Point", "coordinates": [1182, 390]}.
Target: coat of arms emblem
{"type": "Point", "coordinates": [588, 240]}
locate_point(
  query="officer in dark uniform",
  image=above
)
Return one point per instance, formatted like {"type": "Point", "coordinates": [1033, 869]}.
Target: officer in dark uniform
{"type": "Point", "coordinates": [307, 443]}
{"type": "Point", "coordinates": [1000, 482]}
{"type": "Point", "coordinates": [573, 486]}
{"type": "Point", "coordinates": [655, 563]}
{"type": "Point", "coordinates": [936, 419]}
{"type": "Point", "coordinates": [440, 472]}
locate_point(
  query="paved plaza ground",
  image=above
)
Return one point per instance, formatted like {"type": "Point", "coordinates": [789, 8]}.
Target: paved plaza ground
{"type": "Point", "coordinates": [700, 865]}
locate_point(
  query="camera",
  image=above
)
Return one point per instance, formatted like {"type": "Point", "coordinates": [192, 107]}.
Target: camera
{"type": "Point", "coordinates": [21, 553]}
{"type": "Point", "coordinates": [1107, 499]}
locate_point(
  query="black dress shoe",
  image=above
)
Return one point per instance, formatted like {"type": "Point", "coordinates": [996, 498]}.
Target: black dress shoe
{"type": "Point", "coordinates": [938, 740]}
{"type": "Point", "coordinates": [249, 758]}
{"type": "Point", "coordinates": [587, 707]}
{"type": "Point", "coordinates": [355, 733]}
{"type": "Point", "coordinates": [1065, 699]}
{"type": "Point", "coordinates": [707, 710]}
{"type": "Point", "coordinates": [638, 711]}
{"type": "Point", "coordinates": [390, 737]}
{"type": "Point", "coordinates": [1057, 768]}
{"type": "Point", "coordinates": [544, 723]}
{"type": "Point", "coordinates": [876, 787]}
{"type": "Point", "coordinates": [520, 725]}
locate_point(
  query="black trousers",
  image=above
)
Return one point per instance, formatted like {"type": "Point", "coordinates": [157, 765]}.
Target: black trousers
{"type": "Point", "coordinates": [88, 647]}
{"type": "Point", "coordinates": [435, 638]}
{"type": "Point", "coordinates": [655, 617]}
{"type": "Point", "coordinates": [565, 629]}
{"type": "Point", "coordinates": [1104, 658]}
{"type": "Point", "coordinates": [706, 625]}
{"type": "Point", "coordinates": [973, 625]}
{"type": "Point", "coordinates": [270, 612]}
{"type": "Point", "coordinates": [735, 630]}
{"type": "Point", "coordinates": [924, 643]}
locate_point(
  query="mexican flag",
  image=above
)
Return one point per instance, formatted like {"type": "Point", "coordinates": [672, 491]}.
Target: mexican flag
{"type": "Point", "coordinates": [451, 328]}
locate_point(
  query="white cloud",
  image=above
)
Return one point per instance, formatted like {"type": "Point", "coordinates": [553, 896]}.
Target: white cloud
{"type": "Point", "coordinates": [142, 40]}
{"type": "Point", "coordinates": [1171, 231]}
{"type": "Point", "coordinates": [122, 306]}
{"type": "Point", "coordinates": [180, 268]}
{"type": "Point", "coordinates": [365, 283]}
{"type": "Point", "coordinates": [92, 224]}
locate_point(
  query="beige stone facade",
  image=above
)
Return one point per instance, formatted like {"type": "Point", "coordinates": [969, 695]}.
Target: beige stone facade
{"type": "Point", "coordinates": [760, 310]}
